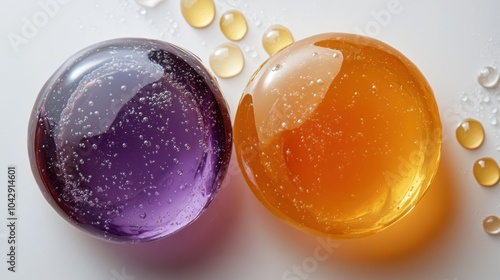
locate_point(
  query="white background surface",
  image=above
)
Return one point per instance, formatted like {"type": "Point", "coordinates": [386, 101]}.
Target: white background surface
{"type": "Point", "coordinates": [237, 238]}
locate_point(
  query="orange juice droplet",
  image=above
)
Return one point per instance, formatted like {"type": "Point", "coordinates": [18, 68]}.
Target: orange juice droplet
{"type": "Point", "coordinates": [486, 172]}
{"type": "Point", "coordinates": [233, 25]}
{"type": "Point", "coordinates": [470, 134]}
{"type": "Point", "coordinates": [198, 13]}
{"type": "Point", "coordinates": [276, 38]}
{"type": "Point", "coordinates": [227, 60]}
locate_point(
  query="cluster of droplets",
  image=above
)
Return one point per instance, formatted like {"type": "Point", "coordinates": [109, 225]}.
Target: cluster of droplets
{"type": "Point", "coordinates": [166, 26]}
{"type": "Point", "coordinates": [470, 135]}
{"type": "Point", "coordinates": [482, 102]}
{"type": "Point", "coordinates": [227, 60]}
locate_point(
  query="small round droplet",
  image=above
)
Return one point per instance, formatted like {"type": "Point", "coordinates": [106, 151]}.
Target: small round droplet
{"type": "Point", "coordinates": [227, 60]}
{"type": "Point", "coordinates": [493, 121]}
{"type": "Point", "coordinates": [488, 77]}
{"type": "Point", "coordinates": [233, 25]}
{"type": "Point", "coordinates": [276, 67]}
{"type": "Point", "coordinates": [149, 3]}
{"type": "Point", "coordinates": [276, 38]}
{"type": "Point", "coordinates": [486, 172]}
{"type": "Point", "coordinates": [470, 134]}
{"type": "Point", "coordinates": [198, 13]}
{"type": "Point", "coordinates": [491, 225]}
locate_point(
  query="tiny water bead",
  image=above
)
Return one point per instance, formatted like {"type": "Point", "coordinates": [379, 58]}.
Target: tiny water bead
{"type": "Point", "coordinates": [149, 3]}
{"type": "Point", "coordinates": [486, 171]}
{"type": "Point", "coordinates": [130, 139]}
{"type": "Point", "coordinates": [233, 25]}
{"type": "Point", "coordinates": [198, 13]}
{"type": "Point", "coordinates": [488, 77]}
{"type": "Point", "coordinates": [276, 38]}
{"type": "Point", "coordinates": [491, 225]}
{"type": "Point", "coordinates": [338, 135]}
{"type": "Point", "coordinates": [227, 60]}
{"type": "Point", "coordinates": [470, 134]}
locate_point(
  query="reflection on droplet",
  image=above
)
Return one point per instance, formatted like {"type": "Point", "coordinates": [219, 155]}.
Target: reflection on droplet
{"type": "Point", "coordinates": [233, 25]}
{"type": "Point", "coordinates": [270, 100]}
{"type": "Point", "coordinates": [198, 13]}
{"type": "Point", "coordinates": [321, 157]}
{"type": "Point", "coordinates": [486, 172]}
{"type": "Point", "coordinates": [107, 152]}
{"type": "Point", "coordinates": [488, 77]}
{"type": "Point", "coordinates": [470, 134]}
{"type": "Point", "coordinates": [276, 38]}
{"type": "Point", "coordinates": [227, 60]}
{"type": "Point", "coordinates": [276, 67]}
{"type": "Point", "coordinates": [149, 3]}
{"type": "Point", "coordinates": [491, 225]}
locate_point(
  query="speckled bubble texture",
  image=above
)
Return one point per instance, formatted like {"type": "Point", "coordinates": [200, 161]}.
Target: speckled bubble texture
{"type": "Point", "coordinates": [341, 135]}
{"type": "Point", "coordinates": [130, 139]}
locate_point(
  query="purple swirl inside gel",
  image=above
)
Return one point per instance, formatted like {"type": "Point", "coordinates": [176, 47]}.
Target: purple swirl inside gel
{"type": "Point", "coordinates": [130, 139]}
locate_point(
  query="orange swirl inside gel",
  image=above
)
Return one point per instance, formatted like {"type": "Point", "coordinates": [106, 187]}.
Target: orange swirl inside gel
{"type": "Point", "coordinates": [338, 135]}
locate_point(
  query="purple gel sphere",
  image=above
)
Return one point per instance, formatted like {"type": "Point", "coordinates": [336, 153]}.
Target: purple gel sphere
{"type": "Point", "coordinates": [130, 139]}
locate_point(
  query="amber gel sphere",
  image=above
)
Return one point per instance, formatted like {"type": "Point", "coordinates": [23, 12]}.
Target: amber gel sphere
{"type": "Point", "coordinates": [338, 135]}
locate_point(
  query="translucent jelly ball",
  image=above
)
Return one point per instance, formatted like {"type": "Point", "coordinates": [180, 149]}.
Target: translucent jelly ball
{"type": "Point", "coordinates": [130, 139]}
{"type": "Point", "coordinates": [338, 135]}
